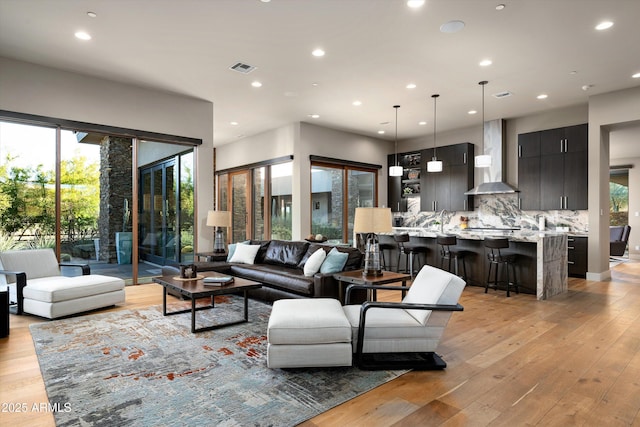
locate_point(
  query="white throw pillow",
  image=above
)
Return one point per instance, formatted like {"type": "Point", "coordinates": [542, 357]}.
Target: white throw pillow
{"type": "Point", "coordinates": [312, 266]}
{"type": "Point", "coordinates": [245, 254]}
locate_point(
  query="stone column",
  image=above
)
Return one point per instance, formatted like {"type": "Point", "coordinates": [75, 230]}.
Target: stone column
{"type": "Point", "coordinates": [116, 187]}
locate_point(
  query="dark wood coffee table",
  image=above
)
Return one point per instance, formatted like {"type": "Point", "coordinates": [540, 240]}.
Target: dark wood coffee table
{"type": "Point", "coordinates": [355, 277]}
{"type": "Point", "coordinates": [195, 289]}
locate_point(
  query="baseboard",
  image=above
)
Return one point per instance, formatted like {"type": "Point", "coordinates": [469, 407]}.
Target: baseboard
{"type": "Point", "coordinates": [599, 277]}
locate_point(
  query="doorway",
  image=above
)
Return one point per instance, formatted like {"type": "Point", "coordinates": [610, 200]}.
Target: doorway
{"type": "Point", "coordinates": [158, 213]}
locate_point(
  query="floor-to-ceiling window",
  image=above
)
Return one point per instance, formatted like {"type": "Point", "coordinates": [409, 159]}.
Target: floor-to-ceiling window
{"type": "Point", "coordinates": [71, 188]}
{"type": "Point", "coordinates": [27, 186]}
{"type": "Point", "coordinates": [259, 198]}
{"type": "Point", "coordinates": [336, 191]}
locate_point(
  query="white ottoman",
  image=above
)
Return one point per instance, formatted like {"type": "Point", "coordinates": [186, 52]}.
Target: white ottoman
{"type": "Point", "coordinates": [310, 332]}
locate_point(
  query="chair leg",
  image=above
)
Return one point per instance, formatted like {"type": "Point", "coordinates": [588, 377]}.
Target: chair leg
{"type": "Point", "coordinates": [410, 257]}
{"type": "Point", "coordinates": [464, 269]}
{"type": "Point", "coordinates": [506, 267]}
{"type": "Point", "coordinates": [486, 284]}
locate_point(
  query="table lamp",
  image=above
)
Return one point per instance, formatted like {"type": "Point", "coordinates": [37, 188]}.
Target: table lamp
{"type": "Point", "coordinates": [219, 219]}
{"type": "Point", "coordinates": [370, 221]}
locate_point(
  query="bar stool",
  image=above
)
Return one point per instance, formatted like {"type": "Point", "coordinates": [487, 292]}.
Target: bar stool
{"type": "Point", "coordinates": [387, 243]}
{"type": "Point", "coordinates": [410, 250]}
{"type": "Point", "coordinates": [497, 258]}
{"type": "Point", "coordinates": [446, 253]}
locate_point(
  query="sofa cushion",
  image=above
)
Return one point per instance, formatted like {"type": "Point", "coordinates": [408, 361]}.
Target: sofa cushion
{"type": "Point", "coordinates": [286, 253]}
{"type": "Point", "coordinates": [305, 321]}
{"type": "Point", "coordinates": [276, 276]}
{"type": "Point", "coordinates": [433, 286]}
{"type": "Point", "coordinates": [264, 245]}
{"type": "Point", "coordinates": [311, 249]}
{"type": "Point", "coordinates": [35, 263]}
{"type": "Point", "coordinates": [61, 288]}
{"type": "Point", "coordinates": [334, 262]}
{"type": "Point", "coordinates": [231, 249]}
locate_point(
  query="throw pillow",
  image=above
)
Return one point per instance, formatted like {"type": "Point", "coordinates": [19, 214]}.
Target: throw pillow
{"type": "Point", "coordinates": [334, 262]}
{"type": "Point", "coordinates": [232, 248]}
{"type": "Point", "coordinates": [245, 254]}
{"type": "Point", "coordinates": [314, 262]}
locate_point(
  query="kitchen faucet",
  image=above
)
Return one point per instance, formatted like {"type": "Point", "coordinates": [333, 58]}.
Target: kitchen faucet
{"type": "Point", "coordinates": [442, 212]}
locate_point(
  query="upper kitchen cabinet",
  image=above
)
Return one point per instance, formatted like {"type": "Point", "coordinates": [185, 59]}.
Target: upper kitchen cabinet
{"type": "Point", "coordinates": [445, 190]}
{"type": "Point", "coordinates": [553, 169]}
{"type": "Point", "coordinates": [564, 168]}
{"type": "Point", "coordinates": [529, 171]}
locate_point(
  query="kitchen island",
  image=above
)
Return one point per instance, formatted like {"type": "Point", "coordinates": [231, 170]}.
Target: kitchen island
{"type": "Point", "coordinates": [541, 267]}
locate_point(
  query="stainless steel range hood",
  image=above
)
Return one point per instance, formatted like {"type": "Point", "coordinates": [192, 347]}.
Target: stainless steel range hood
{"type": "Point", "coordinates": [493, 178]}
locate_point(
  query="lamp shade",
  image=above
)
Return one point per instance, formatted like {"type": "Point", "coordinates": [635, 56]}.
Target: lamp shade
{"type": "Point", "coordinates": [395, 170]}
{"type": "Point", "coordinates": [372, 220]}
{"type": "Point", "coordinates": [434, 166]}
{"type": "Point", "coordinates": [219, 219]}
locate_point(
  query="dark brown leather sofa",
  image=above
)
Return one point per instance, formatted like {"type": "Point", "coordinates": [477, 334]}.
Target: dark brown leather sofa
{"type": "Point", "coordinates": [279, 267]}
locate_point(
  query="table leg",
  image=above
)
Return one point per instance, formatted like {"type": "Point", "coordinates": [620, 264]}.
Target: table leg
{"type": "Point", "coordinates": [404, 293]}
{"type": "Point", "coordinates": [164, 300]}
{"type": "Point", "coordinates": [246, 306]}
{"type": "Point", "coordinates": [193, 315]}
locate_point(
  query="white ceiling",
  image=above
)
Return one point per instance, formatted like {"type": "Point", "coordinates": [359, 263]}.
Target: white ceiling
{"type": "Point", "coordinates": [374, 48]}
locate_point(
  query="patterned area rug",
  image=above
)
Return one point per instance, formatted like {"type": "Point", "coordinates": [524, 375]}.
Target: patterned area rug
{"type": "Point", "coordinates": [140, 368]}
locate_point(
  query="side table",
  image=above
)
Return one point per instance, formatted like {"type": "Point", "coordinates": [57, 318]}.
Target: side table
{"type": "Point", "coordinates": [4, 313]}
{"type": "Point", "coordinates": [212, 256]}
{"type": "Point", "coordinates": [355, 277]}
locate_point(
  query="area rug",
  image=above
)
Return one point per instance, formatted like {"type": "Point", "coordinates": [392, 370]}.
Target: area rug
{"type": "Point", "coordinates": [140, 368]}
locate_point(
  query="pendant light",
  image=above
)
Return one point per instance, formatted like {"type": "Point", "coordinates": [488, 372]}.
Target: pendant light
{"type": "Point", "coordinates": [434, 165]}
{"type": "Point", "coordinates": [397, 169]}
{"type": "Point", "coordinates": [483, 160]}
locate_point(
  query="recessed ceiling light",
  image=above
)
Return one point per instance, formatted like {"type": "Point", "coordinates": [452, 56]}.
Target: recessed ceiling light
{"type": "Point", "coordinates": [256, 84]}
{"type": "Point", "coordinates": [414, 4]}
{"type": "Point", "coordinates": [318, 52]}
{"type": "Point", "coordinates": [92, 14]}
{"type": "Point", "coordinates": [380, 132]}
{"type": "Point", "coordinates": [82, 35]}
{"type": "Point", "coordinates": [573, 73]}
{"type": "Point", "coordinates": [500, 6]}
{"type": "Point", "coordinates": [542, 96]}
{"type": "Point", "coordinates": [233, 123]}
{"type": "Point", "coordinates": [315, 84]}
{"type": "Point", "coordinates": [357, 103]}
{"type": "Point", "coordinates": [423, 123]}
{"type": "Point", "coordinates": [411, 86]}
{"type": "Point", "coordinates": [452, 26]}
{"type": "Point", "coordinates": [384, 123]}
{"type": "Point", "coordinates": [604, 25]}
{"type": "Point", "coordinates": [636, 76]}
{"type": "Point", "coordinates": [314, 116]}
{"type": "Point", "coordinates": [485, 62]}
{"type": "Point", "coordinates": [472, 112]}
{"type": "Point", "coordinates": [265, 1]}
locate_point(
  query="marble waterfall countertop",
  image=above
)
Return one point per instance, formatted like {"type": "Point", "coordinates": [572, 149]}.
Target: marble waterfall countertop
{"type": "Point", "coordinates": [551, 252]}
{"type": "Point", "coordinates": [516, 235]}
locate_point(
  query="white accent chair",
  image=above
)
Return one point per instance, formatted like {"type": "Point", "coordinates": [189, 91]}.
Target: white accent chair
{"type": "Point", "coordinates": [405, 335]}
{"type": "Point", "coordinates": [38, 287]}
{"type": "Point", "coordinates": [383, 335]}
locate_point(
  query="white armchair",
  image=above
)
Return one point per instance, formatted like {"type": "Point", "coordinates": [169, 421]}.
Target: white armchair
{"type": "Point", "coordinates": [38, 287]}
{"type": "Point", "coordinates": [405, 335]}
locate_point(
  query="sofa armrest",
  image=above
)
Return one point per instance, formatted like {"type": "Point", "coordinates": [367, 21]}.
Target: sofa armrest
{"type": "Point", "coordinates": [21, 282]}
{"type": "Point", "coordinates": [325, 286]}
{"type": "Point", "coordinates": [86, 269]}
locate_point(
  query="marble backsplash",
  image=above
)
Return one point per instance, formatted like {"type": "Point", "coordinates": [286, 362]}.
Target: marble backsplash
{"type": "Point", "coordinates": [492, 211]}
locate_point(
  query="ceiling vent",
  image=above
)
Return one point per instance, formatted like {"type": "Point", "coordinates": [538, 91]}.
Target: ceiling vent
{"type": "Point", "coordinates": [504, 94]}
{"type": "Point", "coordinates": [242, 68]}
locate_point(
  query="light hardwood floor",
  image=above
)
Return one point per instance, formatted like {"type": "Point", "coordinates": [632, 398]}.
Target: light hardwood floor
{"type": "Point", "coordinates": [571, 360]}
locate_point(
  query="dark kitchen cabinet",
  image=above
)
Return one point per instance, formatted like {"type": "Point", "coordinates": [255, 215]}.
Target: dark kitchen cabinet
{"type": "Point", "coordinates": [564, 168]}
{"type": "Point", "coordinates": [577, 255]}
{"type": "Point", "coordinates": [553, 169]}
{"type": "Point", "coordinates": [529, 171]}
{"type": "Point", "coordinates": [445, 190]}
